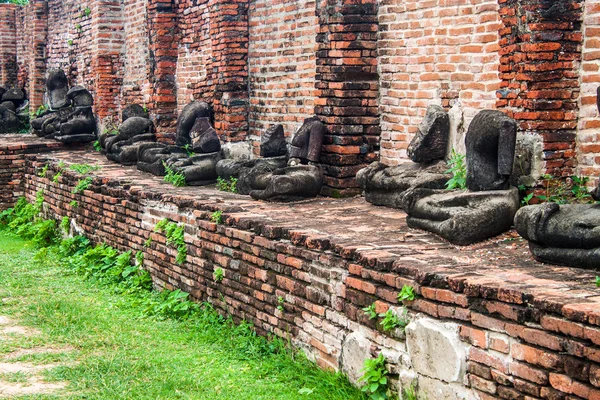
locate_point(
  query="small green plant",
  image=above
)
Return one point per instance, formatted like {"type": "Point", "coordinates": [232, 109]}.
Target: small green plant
{"type": "Point", "coordinates": [83, 184]}
{"type": "Point", "coordinates": [407, 293]}
{"type": "Point", "coordinates": [564, 190]}
{"type": "Point", "coordinates": [70, 42]}
{"type": "Point", "coordinates": [280, 303]}
{"type": "Point", "coordinates": [458, 169]}
{"type": "Point", "coordinates": [139, 258]}
{"type": "Point", "coordinates": [65, 225]}
{"type": "Point", "coordinates": [175, 235]}
{"type": "Point", "coordinates": [56, 176]}
{"type": "Point", "coordinates": [43, 171]}
{"type": "Point", "coordinates": [188, 150]}
{"type": "Point", "coordinates": [218, 274]}
{"type": "Point", "coordinates": [145, 108]}
{"type": "Point", "coordinates": [97, 145]}
{"type": "Point", "coordinates": [79, 28]}
{"type": "Point", "coordinates": [598, 281]}
{"type": "Point", "coordinates": [175, 178]}
{"type": "Point", "coordinates": [148, 242]}
{"type": "Point", "coordinates": [526, 197]}
{"type": "Point", "coordinates": [217, 217]}
{"type": "Point", "coordinates": [87, 12]}
{"type": "Point", "coordinates": [392, 321]}
{"type": "Point", "coordinates": [84, 168]}
{"type": "Point", "coordinates": [375, 378]}
{"type": "Point", "coordinates": [227, 185]}
{"type": "Point", "coordinates": [370, 311]}
{"type": "Point", "coordinates": [409, 393]}
{"type": "Point", "coordinates": [74, 203]}
{"type": "Point", "coordinates": [41, 110]}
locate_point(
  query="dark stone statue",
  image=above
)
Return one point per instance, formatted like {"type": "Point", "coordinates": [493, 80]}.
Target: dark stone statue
{"type": "Point", "coordinates": [385, 185]}
{"type": "Point", "coordinates": [249, 173]}
{"type": "Point", "coordinates": [272, 142]}
{"type": "Point", "coordinates": [488, 207]}
{"type": "Point", "coordinates": [195, 154]}
{"type": "Point", "coordinates": [69, 117]}
{"type": "Point", "coordinates": [307, 142]}
{"type": "Point", "coordinates": [431, 140]}
{"type": "Point", "coordinates": [302, 177]}
{"type": "Point", "coordinates": [491, 141]}
{"type": "Point", "coordinates": [566, 234]}
{"type": "Point", "coordinates": [136, 129]}
{"type": "Point", "coordinates": [562, 234]}
{"type": "Point", "coordinates": [14, 110]}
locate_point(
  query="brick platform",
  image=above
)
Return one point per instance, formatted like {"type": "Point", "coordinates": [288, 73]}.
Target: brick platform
{"type": "Point", "coordinates": [528, 330]}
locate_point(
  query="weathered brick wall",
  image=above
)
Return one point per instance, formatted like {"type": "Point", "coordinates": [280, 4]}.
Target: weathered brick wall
{"type": "Point", "coordinates": [135, 57]}
{"type": "Point", "coordinates": [434, 52]}
{"type": "Point", "coordinates": [588, 137]}
{"type": "Point", "coordinates": [8, 45]}
{"type": "Point", "coordinates": [195, 75]}
{"type": "Point", "coordinates": [541, 53]}
{"type": "Point", "coordinates": [32, 36]}
{"type": "Point", "coordinates": [282, 65]}
{"type": "Point", "coordinates": [518, 342]}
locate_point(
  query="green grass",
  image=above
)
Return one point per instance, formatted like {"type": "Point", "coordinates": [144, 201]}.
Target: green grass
{"type": "Point", "coordinates": [117, 353]}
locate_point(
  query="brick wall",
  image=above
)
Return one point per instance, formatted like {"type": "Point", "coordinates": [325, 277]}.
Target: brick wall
{"type": "Point", "coordinates": [135, 57]}
{"type": "Point", "coordinates": [541, 54]}
{"type": "Point", "coordinates": [8, 46]}
{"type": "Point", "coordinates": [434, 52]}
{"type": "Point", "coordinates": [588, 149]}
{"type": "Point", "coordinates": [517, 342]}
{"type": "Point", "coordinates": [282, 65]}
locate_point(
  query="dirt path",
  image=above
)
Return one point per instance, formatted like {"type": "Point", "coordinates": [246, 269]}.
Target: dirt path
{"type": "Point", "coordinates": [19, 378]}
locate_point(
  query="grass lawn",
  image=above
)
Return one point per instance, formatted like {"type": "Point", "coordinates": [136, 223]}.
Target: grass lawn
{"type": "Point", "coordinates": [81, 334]}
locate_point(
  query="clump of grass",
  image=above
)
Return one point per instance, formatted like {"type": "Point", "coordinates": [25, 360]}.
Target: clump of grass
{"type": "Point", "coordinates": [173, 177]}
{"type": "Point", "coordinates": [175, 235]}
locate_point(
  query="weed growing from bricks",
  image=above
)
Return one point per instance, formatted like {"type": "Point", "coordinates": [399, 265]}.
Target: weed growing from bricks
{"type": "Point", "coordinates": [175, 178]}
{"type": "Point", "coordinates": [392, 321]}
{"type": "Point", "coordinates": [370, 311]}
{"type": "Point", "coordinates": [83, 168]}
{"type": "Point", "coordinates": [217, 217]}
{"type": "Point", "coordinates": [458, 169]}
{"type": "Point", "coordinates": [174, 234]}
{"type": "Point", "coordinates": [43, 171]}
{"type": "Point", "coordinates": [598, 281]}
{"type": "Point", "coordinates": [82, 185]}
{"type": "Point", "coordinates": [227, 185]}
{"type": "Point", "coordinates": [407, 293]}
{"type": "Point", "coordinates": [74, 204]}
{"type": "Point", "coordinates": [280, 303]}
{"type": "Point", "coordinates": [375, 378]}
{"type": "Point", "coordinates": [218, 274]}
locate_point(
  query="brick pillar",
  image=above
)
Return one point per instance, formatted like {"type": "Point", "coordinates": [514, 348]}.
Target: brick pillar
{"type": "Point", "coordinates": [107, 46]}
{"type": "Point", "coordinates": [162, 31]}
{"type": "Point", "coordinates": [347, 86]}
{"type": "Point", "coordinates": [540, 54]}
{"type": "Point", "coordinates": [229, 38]}
{"type": "Point", "coordinates": [37, 27]}
{"type": "Point", "coordinates": [8, 46]}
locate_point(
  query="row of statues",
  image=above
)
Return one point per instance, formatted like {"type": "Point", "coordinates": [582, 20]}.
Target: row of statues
{"type": "Point", "coordinates": [14, 110]}
{"type": "Point", "coordinates": [279, 175]}
{"type": "Point", "coordinates": [486, 207]}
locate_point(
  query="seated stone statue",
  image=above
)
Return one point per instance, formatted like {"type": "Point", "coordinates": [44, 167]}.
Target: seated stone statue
{"type": "Point", "coordinates": [385, 185]}
{"type": "Point", "coordinates": [14, 110]}
{"type": "Point", "coordinates": [196, 152]}
{"type": "Point", "coordinates": [488, 207]}
{"type": "Point", "coordinates": [69, 117]}
{"type": "Point", "coordinates": [566, 234]}
{"type": "Point", "coordinates": [303, 177]}
{"type": "Point", "coordinates": [249, 173]}
{"type": "Point", "coordinates": [135, 130]}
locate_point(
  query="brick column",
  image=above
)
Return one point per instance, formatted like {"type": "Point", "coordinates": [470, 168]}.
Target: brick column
{"type": "Point", "coordinates": [108, 40]}
{"type": "Point", "coordinates": [162, 31]}
{"type": "Point", "coordinates": [229, 39]}
{"type": "Point", "coordinates": [347, 85]}
{"type": "Point", "coordinates": [37, 20]}
{"type": "Point", "coordinates": [8, 46]}
{"type": "Point", "coordinates": [540, 54]}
